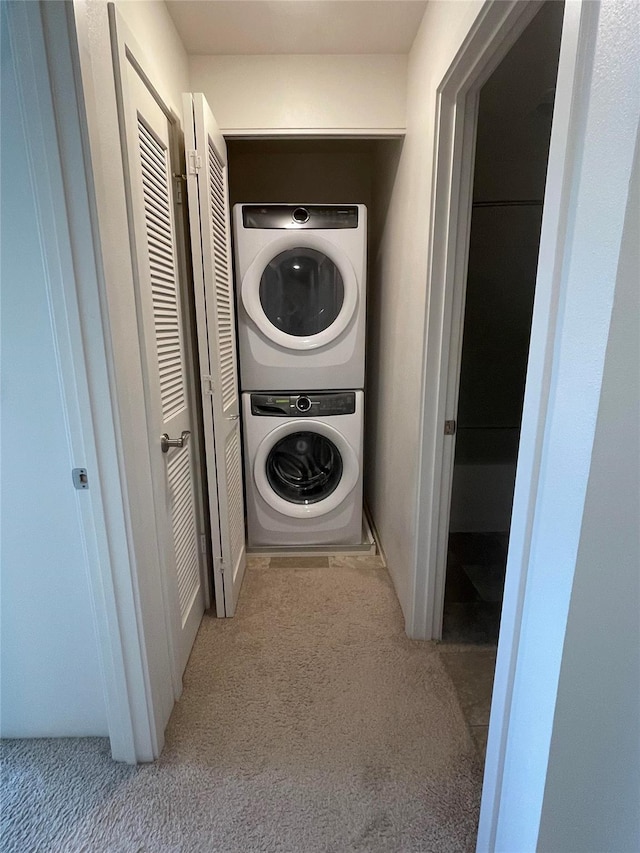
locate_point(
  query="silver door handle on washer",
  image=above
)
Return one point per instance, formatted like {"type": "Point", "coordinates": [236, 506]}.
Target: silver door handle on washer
{"type": "Point", "coordinates": [166, 442]}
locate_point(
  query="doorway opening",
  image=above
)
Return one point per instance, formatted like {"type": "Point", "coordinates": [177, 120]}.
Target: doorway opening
{"type": "Point", "coordinates": [515, 111]}
{"type": "Point", "coordinates": [513, 134]}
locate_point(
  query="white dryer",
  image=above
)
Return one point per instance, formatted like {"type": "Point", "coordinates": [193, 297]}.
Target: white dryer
{"type": "Point", "coordinates": [303, 466]}
{"type": "Point", "coordinates": [300, 288]}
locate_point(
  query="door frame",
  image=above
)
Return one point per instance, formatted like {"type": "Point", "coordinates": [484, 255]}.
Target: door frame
{"type": "Point", "coordinates": [495, 31]}
{"type": "Point", "coordinates": [593, 115]}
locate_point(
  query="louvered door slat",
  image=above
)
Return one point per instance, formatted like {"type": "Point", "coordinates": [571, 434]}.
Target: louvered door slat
{"type": "Point", "coordinates": [158, 233]}
{"type": "Point", "coordinates": [233, 461]}
{"type": "Point", "coordinates": [184, 534]}
{"type": "Point", "coordinates": [154, 177]}
{"type": "Point", "coordinates": [155, 194]}
{"type": "Point", "coordinates": [149, 145]}
{"type": "Point", "coordinates": [154, 213]}
{"type": "Point", "coordinates": [223, 291]}
{"type": "Point", "coordinates": [161, 249]}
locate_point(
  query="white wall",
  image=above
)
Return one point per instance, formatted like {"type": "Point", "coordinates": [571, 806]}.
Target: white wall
{"type": "Point", "coordinates": [303, 92]}
{"type": "Point", "coordinates": [552, 576]}
{"type": "Point", "coordinates": [293, 171]}
{"type": "Point", "coordinates": [51, 681]}
{"type": "Point", "coordinates": [167, 60]}
{"type": "Point", "coordinates": [399, 279]}
{"type": "Point", "coordinates": [593, 782]}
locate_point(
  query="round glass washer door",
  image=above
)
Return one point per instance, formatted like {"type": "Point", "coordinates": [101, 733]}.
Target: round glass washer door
{"type": "Point", "coordinates": [300, 291]}
{"type": "Point", "coordinates": [305, 469]}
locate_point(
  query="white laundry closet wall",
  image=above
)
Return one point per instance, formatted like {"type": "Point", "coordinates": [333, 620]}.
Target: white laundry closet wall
{"type": "Point", "coordinates": [399, 280]}
{"type": "Point", "coordinates": [308, 93]}
{"type": "Point", "coordinates": [292, 171]}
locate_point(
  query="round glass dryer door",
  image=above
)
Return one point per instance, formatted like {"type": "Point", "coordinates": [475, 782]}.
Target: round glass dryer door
{"type": "Point", "coordinates": [300, 291]}
{"type": "Point", "coordinates": [304, 467]}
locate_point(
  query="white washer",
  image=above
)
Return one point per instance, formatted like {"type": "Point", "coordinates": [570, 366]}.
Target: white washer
{"type": "Point", "coordinates": [300, 289]}
{"type": "Point", "coordinates": [303, 466]}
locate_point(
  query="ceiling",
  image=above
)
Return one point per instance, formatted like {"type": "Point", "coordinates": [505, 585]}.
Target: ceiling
{"type": "Point", "coordinates": [296, 26]}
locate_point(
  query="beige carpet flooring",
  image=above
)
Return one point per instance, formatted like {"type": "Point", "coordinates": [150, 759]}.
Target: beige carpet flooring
{"type": "Point", "coordinates": [309, 723]}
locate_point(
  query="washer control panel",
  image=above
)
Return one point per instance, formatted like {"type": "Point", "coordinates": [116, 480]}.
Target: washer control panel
{"type": "Point", "coordinates": [315, 404]}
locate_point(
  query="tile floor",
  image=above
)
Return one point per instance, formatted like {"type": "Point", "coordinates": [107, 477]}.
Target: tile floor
{"type": "Point", "coordinates": [476, 564]}
{"type": "Point", "coordinates": [471, 669]}
{"type": "Point", "coordinates": [473, 602]}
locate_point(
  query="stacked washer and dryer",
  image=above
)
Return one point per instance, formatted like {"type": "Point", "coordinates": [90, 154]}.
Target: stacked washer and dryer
{"type": "Point", "coordinates": [300, 287]}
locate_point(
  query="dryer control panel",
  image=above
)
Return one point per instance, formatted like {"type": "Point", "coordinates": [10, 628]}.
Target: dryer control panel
{"type": "Point", "coordinates": [297, 216]}
{"type": "Point", "coordinates": [315, 404]}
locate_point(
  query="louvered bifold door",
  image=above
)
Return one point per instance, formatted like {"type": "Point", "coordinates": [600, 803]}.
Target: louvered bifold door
{"type": "Point", "coordinates": [215, 312]}
{"type": "Point", "coordinates": [150, 188]}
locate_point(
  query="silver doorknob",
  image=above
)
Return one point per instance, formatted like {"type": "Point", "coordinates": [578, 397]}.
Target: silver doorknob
{"type": "Point", "coordinates": [166, 442]}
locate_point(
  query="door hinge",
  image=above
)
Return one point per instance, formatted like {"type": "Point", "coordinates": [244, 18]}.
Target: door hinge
{"type": "Point", "coordinates": [203, 544]}
{"type": "Point", "coordinates": [449, 427]}
{"type": "Point", "coordinates": [194, 161]}
{"type": "Point", "coordinates": [207, 385]}
{"type": "Point", "coordinates": [178, 189]}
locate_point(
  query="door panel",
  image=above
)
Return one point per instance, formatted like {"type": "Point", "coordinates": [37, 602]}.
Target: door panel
{"type": "Point", "coordinates": [146, 133]}
{"type": "Point", "coordinates": [215, 312]}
